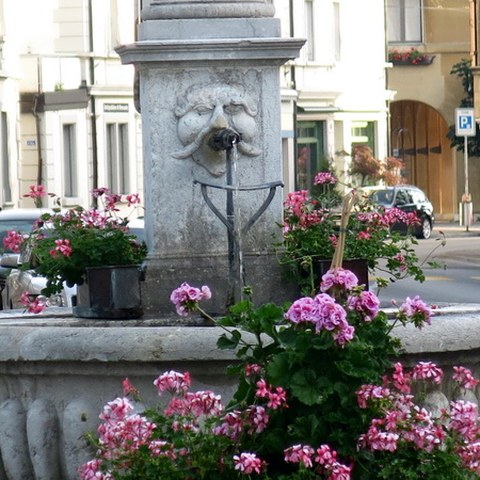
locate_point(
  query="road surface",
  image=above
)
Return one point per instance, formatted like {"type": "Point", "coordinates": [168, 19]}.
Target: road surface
{"type": "Point", "coordinates": [458, 278]}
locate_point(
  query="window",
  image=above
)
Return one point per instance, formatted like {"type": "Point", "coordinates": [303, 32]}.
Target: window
{"type": "Point", "coordinates": [7, 190]}
{"type": "Point", "coordinates": [117, 157]}
{"type": "Point", "coordinates": [310, 153]}
{"type": "Point", "coordinates": [363, 133]}
{"type": "Point", "coordinates": [70, 184]}
{"type": "Point", "coordinates": [310, 30]}
{"type": "Point", "coordinates": [404, 21]}
{"type": "Point", "coordinates": [336, 30]}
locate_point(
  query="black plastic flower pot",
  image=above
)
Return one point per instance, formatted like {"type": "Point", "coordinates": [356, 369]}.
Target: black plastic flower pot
{"type": "Point", "coordinates": [111, 292]}
{"type": "Point", "coordinates": [358, 266]}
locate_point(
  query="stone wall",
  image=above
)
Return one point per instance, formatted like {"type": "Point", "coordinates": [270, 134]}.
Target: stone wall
{"type": "Point", "coordinates": [57, 372]}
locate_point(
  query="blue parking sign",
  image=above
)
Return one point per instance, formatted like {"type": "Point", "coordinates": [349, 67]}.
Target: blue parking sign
{"type": "Point", "coordinates": [465, 122]}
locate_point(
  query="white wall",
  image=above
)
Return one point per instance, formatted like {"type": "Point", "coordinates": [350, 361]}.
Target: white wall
{"type": "Point", "coordinates": [52, 51]}
{"type": "Point", "coordinates": [346, 89]}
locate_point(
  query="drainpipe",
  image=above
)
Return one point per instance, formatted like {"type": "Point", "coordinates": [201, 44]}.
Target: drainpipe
{"type": "Point", "coordinates": [38, 124]}
{"type": "Point", "coordinates": [39, 139]}
{"type": "Point", "coordinates": [294, 87]}
{"type": "Point", "coordinates": [389, 99]}
{"type": "Point", "coordinates": [93, 110]}
{"type": "Point", "coordinates": [473, 32]}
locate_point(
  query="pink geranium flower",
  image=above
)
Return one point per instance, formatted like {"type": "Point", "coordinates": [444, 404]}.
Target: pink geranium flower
{"type": "Point", "coordinates": [33, 305]}
{"type": "Point", "coordinates": [427, 371]}
{"type": "Point", "coordinates": [63, 247]}
{"type": "Point", "coordinates": [416, 311]}
{"type": "Point", "coordinates": [322, 178]}
{"type": "Point", "coordinates": [36, 192]}
{"type": "Point", "coordinates": [365, 303]}
{"type": "Point", "coordinates": [299, 454]}
{"type": "Point", "coordinates": [248, 463]}
{"type": "Point", "coordinates": [173, 382]}
{"type": "Point", "coordinates": [338, 278]}
{"type": "Point", "coordinates": [465, 378]}
{"type": "Point", "coordinates": [186, 298]}
{"type": "Point", "coordinates": [133, 199]}
{"type": "Point", "coordinates": [13, 241]}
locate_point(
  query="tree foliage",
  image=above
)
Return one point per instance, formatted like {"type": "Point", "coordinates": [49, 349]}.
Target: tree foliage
{"type": "Point", "coordinates": [463, 71]}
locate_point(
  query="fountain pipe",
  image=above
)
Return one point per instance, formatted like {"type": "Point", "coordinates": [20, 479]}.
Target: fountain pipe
{"type": "Point", "coordinates": [225, 139]}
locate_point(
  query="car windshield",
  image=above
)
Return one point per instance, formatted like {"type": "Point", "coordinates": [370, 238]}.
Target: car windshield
{"type": "Point", "coordinates": [382, 197]}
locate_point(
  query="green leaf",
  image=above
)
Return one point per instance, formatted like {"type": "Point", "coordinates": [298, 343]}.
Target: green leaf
{"type": "Point", "coordinates": [229, 343]}
{"type": "Point", "coordinates": [309, 388]}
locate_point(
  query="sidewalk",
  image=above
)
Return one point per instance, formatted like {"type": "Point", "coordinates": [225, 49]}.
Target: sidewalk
{"type": "Point", "coordinates": [467, 252]}
{"type": "Point", "coordinates": [453, 229]}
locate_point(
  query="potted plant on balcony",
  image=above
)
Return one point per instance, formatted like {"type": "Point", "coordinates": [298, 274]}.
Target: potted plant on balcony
{"type": "Point", "coordinates": [91, 248]}
{"type": "Point", "coordinates": [412, 56]}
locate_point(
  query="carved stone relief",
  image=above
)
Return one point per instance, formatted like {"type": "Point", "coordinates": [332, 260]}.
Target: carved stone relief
{"type": "Point", "coordinates": [207, 108]}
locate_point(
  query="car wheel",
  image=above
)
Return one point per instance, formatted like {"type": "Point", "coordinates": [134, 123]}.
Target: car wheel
{"type": "Point", "coordinates": [425, 228]}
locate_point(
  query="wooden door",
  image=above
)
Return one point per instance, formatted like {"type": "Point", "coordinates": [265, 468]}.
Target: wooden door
{"type": "Point", "coordinates": [419, 138]}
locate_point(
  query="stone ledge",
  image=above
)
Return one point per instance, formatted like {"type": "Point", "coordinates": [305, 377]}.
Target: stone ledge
{"type": "Point", "coordinates": [453, 329]}
{"type": "Point", "coordinates": [56, 335]}
{"type": "Point", "coordinates": [272, 51]}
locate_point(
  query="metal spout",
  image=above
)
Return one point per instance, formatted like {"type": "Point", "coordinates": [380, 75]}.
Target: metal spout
{"type": "Point", "coordinates": [224, 139]}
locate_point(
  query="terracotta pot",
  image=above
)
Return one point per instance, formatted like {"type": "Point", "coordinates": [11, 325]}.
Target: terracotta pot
{"type": "Point", "coordinates": [111, 292]}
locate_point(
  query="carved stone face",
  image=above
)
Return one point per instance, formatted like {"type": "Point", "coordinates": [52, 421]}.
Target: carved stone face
{"type": "Point", "coordinates": [202, 111]}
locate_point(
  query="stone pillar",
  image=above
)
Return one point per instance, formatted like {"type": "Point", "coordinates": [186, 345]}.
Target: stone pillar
{"type": "Point", "coordinates": [205, 66]}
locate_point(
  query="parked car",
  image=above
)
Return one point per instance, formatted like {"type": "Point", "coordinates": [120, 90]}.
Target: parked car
{"type": "Point", "coordinates": [13, 281]}
{"type": "Point", "coordinates": [18, 219]}
{"type": "Point", "coordinates": [17, 281]}
{"type": "Point", "coordinates": [407, 198]}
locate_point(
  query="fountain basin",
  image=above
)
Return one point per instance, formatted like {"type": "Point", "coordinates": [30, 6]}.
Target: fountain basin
{"type": "Point", "coordinates": [57, 372]}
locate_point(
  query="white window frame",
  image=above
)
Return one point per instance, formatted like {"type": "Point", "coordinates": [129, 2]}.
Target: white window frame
{"type": "Point", "coordinates": [310, 30]}
{"type": "Point", "coordinates": [337, 38]}
{"type": "Point", "coordinates": [117, 155]}
{"type": "Point", "coordinates": [321, 27]}
{"type": "Point", "coordinates": [6, 185]}
{"type": "Point", "coordinates": [70, 160]}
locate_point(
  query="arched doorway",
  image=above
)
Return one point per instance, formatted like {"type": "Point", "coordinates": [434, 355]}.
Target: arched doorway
{"type": "Point", "coordinates": [419, 137]}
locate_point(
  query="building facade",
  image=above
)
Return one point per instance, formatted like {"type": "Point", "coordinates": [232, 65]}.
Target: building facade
{"type": "Point", "coordinates": [426, 95]}
{"type": "Point", "coordinates": [68, 116]}
{"type": "Point", "coordinates": [335, 94]}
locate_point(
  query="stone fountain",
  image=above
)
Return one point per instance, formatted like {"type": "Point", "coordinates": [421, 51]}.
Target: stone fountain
{"type": "Point", "coordinates": [209, 73]}
{"type": "Point", "coordinates": [205, 66]}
